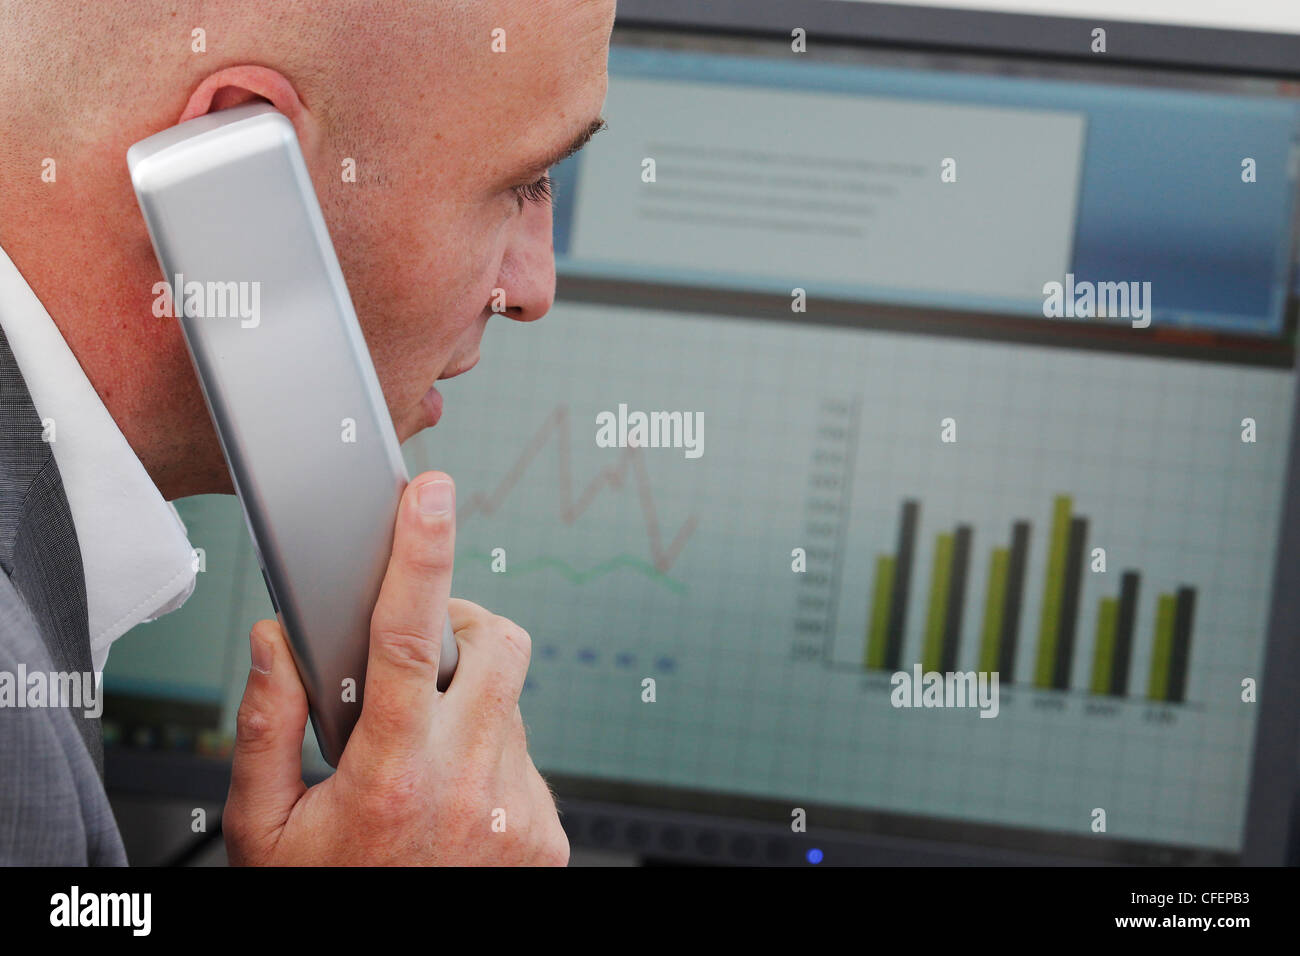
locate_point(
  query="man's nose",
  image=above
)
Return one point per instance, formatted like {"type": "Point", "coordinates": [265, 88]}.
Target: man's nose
{"type": "Point", "coordinates": [528, 266]}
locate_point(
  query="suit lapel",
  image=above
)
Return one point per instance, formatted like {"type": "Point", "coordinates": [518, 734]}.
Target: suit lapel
{"type": "Point", "coordinates": [38, 542]}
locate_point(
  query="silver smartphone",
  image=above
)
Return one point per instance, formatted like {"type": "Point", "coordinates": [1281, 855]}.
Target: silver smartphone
{"type": "Point", "coordinates": [251, 275]}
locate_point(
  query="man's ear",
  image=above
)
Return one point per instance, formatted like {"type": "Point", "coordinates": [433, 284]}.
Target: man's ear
{"type": "Point", "coordinates": [236, 85]}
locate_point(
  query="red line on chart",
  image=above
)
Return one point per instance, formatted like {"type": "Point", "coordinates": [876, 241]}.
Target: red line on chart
{"type": "Point", "coordinates": [632, 458]}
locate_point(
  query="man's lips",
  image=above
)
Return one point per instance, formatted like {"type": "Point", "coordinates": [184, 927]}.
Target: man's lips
{"type": "Point", "coordinates": [460, 370]}
{"type": "Point", "coordinates": [431, 402]}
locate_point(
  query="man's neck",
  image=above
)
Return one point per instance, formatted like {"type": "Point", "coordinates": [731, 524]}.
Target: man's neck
{"type": "Point", "coordinates": [98, 291]}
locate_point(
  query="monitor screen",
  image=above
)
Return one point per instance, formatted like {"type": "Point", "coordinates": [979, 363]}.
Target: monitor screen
{"type": "Point", "coordinates": [906, 447]}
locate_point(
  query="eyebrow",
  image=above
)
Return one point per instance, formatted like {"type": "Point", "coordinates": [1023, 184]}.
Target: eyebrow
{"type": "Point", "coordinates": [579, 141]}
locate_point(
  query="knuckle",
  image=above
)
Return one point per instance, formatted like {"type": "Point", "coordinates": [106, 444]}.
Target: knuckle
{"type": "Point", "coordinates": [253, 727]}
{"type": "Point", "coordinates": [406, 648]}
{"type": "Point", "coordinates": [464, 614]}
{"type": "Point", "coordinates": [515, 638]}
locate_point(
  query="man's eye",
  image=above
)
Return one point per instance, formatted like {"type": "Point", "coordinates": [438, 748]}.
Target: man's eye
{"type": "Point", "coordinates": [538, 192]}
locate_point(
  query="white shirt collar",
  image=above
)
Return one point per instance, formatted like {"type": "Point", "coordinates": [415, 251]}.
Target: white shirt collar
{"type": "Point", "coordinates": [136, 555]}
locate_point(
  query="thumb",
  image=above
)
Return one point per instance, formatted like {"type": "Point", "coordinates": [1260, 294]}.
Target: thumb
{"type": "Point", "coordinates": [266, 774]}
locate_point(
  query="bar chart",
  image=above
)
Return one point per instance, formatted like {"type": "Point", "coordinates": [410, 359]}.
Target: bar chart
{"type": "Point", "coordinates": [1059, 630]}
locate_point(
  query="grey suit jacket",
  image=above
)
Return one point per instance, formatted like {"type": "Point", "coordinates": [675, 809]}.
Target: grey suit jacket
{"type": "Point", "coordinates": [53, 809]}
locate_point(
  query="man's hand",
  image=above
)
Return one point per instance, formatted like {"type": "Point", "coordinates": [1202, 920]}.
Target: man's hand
{"type": "Point", "coordinates": [427, 778]}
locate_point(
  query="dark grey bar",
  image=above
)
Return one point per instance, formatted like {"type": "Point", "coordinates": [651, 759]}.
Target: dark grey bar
{"type": "Point", "coordinates": [1183, 610]}
{"type": "Point", "coordinates": [1069, 620]}
{"type": "Point", "coordinates": [1012, 601]}
{"type": "Point", "coordinates": [1124, 618]}
{"type": "Point", "coordinates": [956, 598]}
{"type": "Point", "coordinates": [902, 583]}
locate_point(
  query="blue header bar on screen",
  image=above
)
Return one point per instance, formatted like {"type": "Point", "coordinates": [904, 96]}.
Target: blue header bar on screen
{"type": "Point", "coordinates": [1160, 189]}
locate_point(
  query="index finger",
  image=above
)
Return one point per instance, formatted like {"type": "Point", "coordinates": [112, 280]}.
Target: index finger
{"type": "Point", "coordinates": [406, 628]}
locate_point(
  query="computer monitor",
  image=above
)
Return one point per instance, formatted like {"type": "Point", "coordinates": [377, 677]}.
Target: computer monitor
{"type": "Point", "coordinates": [966, 347]}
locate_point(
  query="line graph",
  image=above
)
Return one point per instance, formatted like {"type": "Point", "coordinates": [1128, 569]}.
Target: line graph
{"type": "Point", "coordinates": [630, 460]}
{"type": "Point", "coordinates": [578, 577]}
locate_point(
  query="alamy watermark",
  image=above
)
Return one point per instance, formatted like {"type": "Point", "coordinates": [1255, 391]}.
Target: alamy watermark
{"type": "Point", "coordinates": [209, 300]}
{"type": "Point", "coordinates": [1098, 300]}
{"type": "Point", "coordinates": [626, 429]}
{"type": "Point", "coordinates": [129, 910]}
{"type": "Point", "coordinates": [946, 689]}
{"type": "Point", "coordinates": [78, 690]}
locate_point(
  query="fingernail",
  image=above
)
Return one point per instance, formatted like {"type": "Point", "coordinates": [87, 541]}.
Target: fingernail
{"type": "Point", "coordinates": [260, 650]}
{"type": "Point", "coordinates": [436, 497]}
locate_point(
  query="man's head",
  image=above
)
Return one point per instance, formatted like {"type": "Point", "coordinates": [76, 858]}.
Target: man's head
{"type": "Point", "coordinates": [449, 109]}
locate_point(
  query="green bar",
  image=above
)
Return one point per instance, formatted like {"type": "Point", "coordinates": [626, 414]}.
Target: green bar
{"type": "Point", "coordinates": [1057, 545]}
{"type": "Point", "coordinates": [1103, 653]}
{"type": "Point", "coordinates": [932, 655]}
{"type": "Point", "coordinates": [1158, 683]}
{"type": "Point", "coordinates": [878, 629]}
{"type": "Point", "coordinates": [993, 605]}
